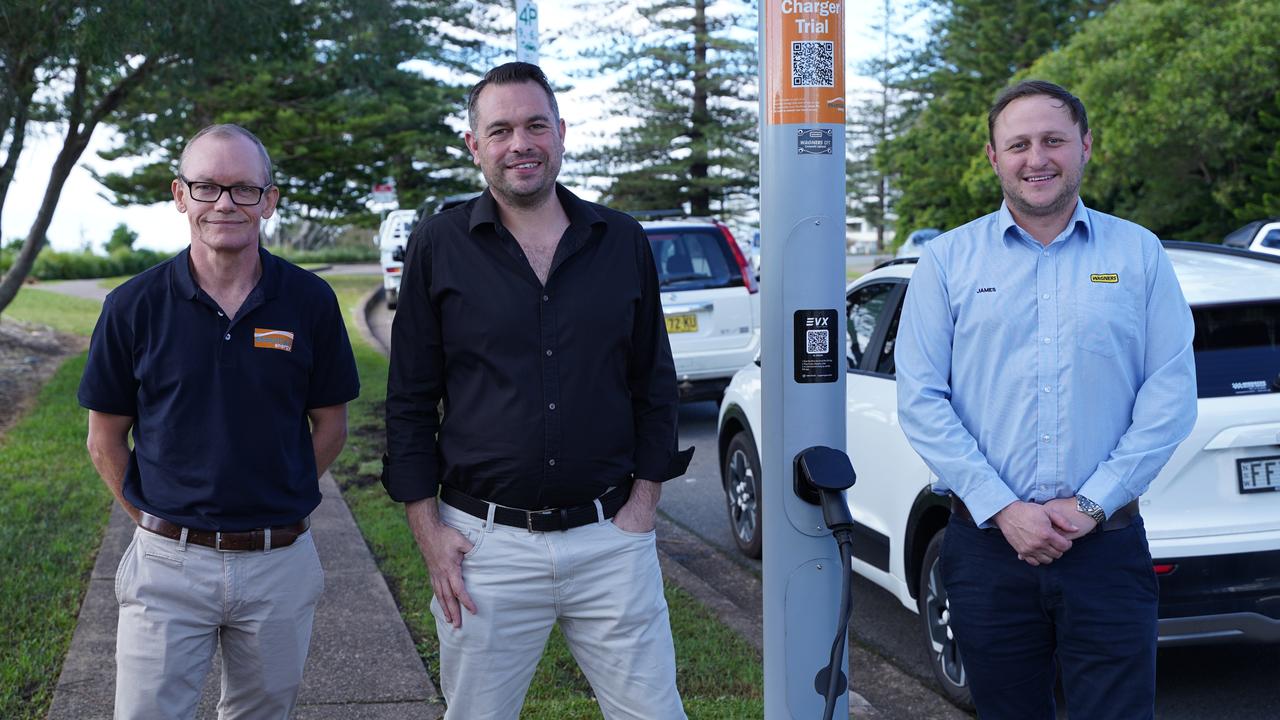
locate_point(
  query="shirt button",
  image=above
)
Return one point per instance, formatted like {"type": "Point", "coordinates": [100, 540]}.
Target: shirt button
{"type": "Point", "coordinates": [1045, 253]}
{"type": "Point", "coordinates": [227, 336]}
{"type": "Point", "coordinates": [548, 353]}
{"type": "Point", "coordinates": [1048, 388]}
{"type": "Point", "coordinates": [1045, 438]}
{"type": "Point", "coordinates": [551, 406]}
{"type": "Point", "coordinates": [551, 462]}
{"type": "Point", "coordinates": [1046, 341]}
{"type": "Point", "coordinates": [546, 298]}
{"type": "Point", "coordinates": [219, 313]}
{"type": "Point", "coordinates": [1045, 296]}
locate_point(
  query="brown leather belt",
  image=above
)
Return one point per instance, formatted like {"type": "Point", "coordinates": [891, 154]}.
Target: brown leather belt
{"type": "Point", "coordinates": [260, 539]}
{"type": "Point", "coordinates": [538, 520]}
{"type": "Point", "coordinates": [1121, 518]}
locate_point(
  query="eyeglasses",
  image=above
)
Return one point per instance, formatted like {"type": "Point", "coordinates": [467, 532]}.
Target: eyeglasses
{"type": "Point", "coordinates": [212, 192]}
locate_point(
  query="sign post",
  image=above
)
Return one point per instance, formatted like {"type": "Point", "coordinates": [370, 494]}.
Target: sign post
{"type": "Point", "coordinates": [802, 208]}
{"type": "Point", "coordinates": [527, 31]}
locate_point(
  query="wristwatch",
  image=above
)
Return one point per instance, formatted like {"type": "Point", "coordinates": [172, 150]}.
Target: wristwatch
{"type": "Point", "coordinates": [1091, 508]}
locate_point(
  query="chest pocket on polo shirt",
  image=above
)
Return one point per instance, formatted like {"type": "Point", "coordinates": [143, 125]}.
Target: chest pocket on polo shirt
{"type": "Point", "coordinates": [1107, 314]}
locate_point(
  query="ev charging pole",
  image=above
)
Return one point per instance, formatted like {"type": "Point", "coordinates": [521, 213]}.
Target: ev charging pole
{"type": "Point", "coordinates": [802, 208]}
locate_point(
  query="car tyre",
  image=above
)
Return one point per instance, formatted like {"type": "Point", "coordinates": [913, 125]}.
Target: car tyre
{"type": "Point", "coordinates": [393, 298]}
{"type": "Point", "coordinates": [935, 620]}
{"type": "Point", "coordinates": [742, 493]}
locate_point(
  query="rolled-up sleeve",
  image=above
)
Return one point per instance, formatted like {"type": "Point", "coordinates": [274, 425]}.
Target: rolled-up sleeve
{"type": "Point", "coordinates": [415, 382]}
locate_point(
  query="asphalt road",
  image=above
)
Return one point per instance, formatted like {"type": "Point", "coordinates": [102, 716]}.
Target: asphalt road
{"type": "Point", "coordinates": [1199, 683]}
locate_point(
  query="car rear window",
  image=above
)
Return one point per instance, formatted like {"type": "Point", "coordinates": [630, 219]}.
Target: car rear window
{"type": "Point", "coordinates": [1237, 349]}
{"type": "Point", "coordinates": [693, 259]}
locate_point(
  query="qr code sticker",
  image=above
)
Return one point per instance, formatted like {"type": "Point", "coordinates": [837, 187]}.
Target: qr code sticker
{"type": "Point", "coordinates": [813, 64]}
{"type": "Point", "coordinates": [816, 342]}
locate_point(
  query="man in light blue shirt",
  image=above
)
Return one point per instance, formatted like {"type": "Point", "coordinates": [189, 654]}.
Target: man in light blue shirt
{"type": "Point", "coordinates": [1045, 374]}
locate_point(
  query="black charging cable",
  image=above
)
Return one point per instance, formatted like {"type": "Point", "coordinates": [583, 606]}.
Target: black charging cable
{"type": "Point", "coordinates": [822, 475]}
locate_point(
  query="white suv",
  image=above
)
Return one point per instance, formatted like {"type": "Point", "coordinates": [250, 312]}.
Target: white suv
{"type": "Point", "coordinates": [1212, 515]}
{"type": "Point", "coordinates": [710, 300]}
{"type": "Point", "coordinates": [1259, 236]}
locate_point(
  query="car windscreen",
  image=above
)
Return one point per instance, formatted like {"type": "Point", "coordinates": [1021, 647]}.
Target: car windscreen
{"type": "Point", "coordinates": [1237, 348]}
{"type": "Point", "coordinates": [693, 259]}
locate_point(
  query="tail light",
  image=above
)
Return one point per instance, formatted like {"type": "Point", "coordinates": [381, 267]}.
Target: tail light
{"type": "Point", "coordinates": [1164, 568]}
{"type": "Point", "coordinates": [748, 278]}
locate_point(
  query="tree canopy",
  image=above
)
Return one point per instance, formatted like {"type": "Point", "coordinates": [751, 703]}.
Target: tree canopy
{"type": "Point", "coordinates": [335, 103]}
{"type": "Point", "coordinates": [1183, 101]}
{"type": "Point", "coordinates": [75, 63]}
{"type": "Point", "coordinates": [686, 89]}
{"type": "Point", "coordinates": [974, 48]}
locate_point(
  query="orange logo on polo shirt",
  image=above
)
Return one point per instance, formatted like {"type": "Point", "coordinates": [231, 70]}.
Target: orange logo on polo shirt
{"type": "Point", "coordinates": [273, 339]}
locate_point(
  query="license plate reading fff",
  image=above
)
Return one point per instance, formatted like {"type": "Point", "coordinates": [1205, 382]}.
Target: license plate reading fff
{"type": "Point", "coordinates": [1259, 474]}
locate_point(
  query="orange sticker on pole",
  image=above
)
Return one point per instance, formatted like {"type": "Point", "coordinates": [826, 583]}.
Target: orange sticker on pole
{"type": "Point", "coordinates": [804, 61]}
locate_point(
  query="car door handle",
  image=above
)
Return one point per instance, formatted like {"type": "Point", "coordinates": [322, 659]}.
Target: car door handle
{"type": "Point", "coordinates": [689, 308]}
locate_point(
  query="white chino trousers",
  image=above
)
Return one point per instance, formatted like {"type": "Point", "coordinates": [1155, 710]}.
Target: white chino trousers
{"type": "Point", "coordinates": [602, 584]}
{"type": "Point", "coordinates": [178, 602]}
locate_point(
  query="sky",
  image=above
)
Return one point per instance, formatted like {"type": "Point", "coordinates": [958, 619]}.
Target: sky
{"type": "Point", "coordinates": [84, 218]}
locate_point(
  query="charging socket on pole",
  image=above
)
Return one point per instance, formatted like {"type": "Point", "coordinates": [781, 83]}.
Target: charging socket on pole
{"type": "Point", "coordinates": [822, 474]}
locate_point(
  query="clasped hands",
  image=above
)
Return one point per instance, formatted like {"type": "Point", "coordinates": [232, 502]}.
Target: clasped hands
{"type": "Point", "coordinates": [1042, 533]}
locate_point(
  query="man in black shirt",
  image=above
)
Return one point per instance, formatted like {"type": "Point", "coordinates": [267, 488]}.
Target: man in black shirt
{"type": "Point", "coordinates": [232, 370]}
{"type": "Point", "coordinates": [535, 317]}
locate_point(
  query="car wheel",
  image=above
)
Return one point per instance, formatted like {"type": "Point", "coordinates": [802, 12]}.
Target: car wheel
{"type": "Point", "coordinates": [935, 618]}
{"type": "Point", "coordinates": [393, 298]}
{"type": "Point", "coordinates": [742, 493]}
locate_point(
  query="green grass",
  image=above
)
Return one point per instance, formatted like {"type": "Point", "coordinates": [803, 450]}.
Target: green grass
{"type": "Point", "coordinates": [719, 674]}
{"type": "Point", "coordinates": [53, 510]}
{"type": "Point", "coordinates": [61, 312]}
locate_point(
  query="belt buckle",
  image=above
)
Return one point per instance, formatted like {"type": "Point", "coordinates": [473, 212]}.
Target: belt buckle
{"type": "Point", "coordinates": [528, 517]}
{"type": "Point", "coordinates": [217, 540]}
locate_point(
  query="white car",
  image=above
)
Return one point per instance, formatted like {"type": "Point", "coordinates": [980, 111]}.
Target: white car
{"type": "Point", "coordinates": [710, 300]}
{"type": "Point", "coordinates": [393, 237]}
{"type": "Point", "coordinates": [914, 243]}
{"type": "Point", "coordinates": [1259, 236]}
{"type": "Point", "coordinates": [1212, 515]}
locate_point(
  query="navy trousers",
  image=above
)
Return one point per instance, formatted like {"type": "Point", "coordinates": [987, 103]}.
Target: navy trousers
{"type": "Point", "coordinates": [1093, 611]}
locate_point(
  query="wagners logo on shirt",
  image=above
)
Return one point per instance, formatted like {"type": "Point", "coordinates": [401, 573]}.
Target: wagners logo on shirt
{"type": "Point", "coordinates": [1104, 278]}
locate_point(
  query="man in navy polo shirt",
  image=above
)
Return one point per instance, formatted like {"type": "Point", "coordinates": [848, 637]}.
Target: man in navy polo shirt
{"type": "Point", "coordinates": [232, 369]}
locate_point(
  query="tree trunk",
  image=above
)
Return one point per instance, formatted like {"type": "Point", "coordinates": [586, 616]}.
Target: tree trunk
{"type": "Point", "coordinates": [72, 148]}
{"type": "Point", "coordinates": [79, 129]}
{"type": "Point", "coordinates": [18, 134]}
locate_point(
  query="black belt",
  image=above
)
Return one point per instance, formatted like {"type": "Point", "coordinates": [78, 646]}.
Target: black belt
{"type": "Point", "coordinates": [538, 520]}
{"type": "Point", "coordinates": [1121, 518]}
{"type": "Point", "coordinates": [278, 537]}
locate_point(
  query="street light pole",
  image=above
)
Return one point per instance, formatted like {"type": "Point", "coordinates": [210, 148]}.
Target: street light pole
{"type": "Point", "coordinates": [802, 207]}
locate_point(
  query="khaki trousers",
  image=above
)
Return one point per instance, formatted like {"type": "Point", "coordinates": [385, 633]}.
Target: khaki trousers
{"type": "Point", "coordinates": [179, 602]}
{"type": "Point", "coordinates": [601, 584]}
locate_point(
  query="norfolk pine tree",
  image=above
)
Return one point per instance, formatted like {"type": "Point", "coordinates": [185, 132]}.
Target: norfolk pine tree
{"type": "Point", "coordinates": [686, 95]}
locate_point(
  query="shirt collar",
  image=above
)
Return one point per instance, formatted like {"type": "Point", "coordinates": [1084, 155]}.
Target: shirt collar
{"type": "Point", "coordinates": [580, 212]}
{"type": "Point", "coordinates": [1080, 225]}
{"type": "Point", "coordinates": [185, 285]}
